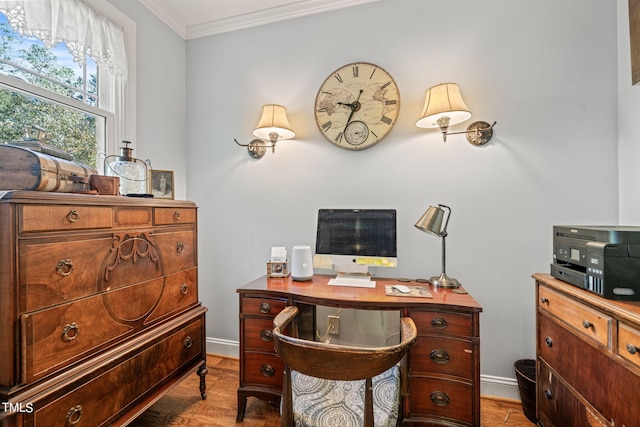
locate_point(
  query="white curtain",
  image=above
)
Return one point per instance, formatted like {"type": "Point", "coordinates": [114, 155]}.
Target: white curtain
{"type": "Point", "coordinates": [72, 21]}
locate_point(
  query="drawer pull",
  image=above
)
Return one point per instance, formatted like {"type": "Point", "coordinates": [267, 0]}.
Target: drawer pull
{"type": "Point", "coordinates": [267, 370]}
{"type": "Point", "coordinates": [180, 247]}
{"type": "Point", "coordinates": [70, 332]}
{"type": "Point", "coordinates": [73, 216]}
{"type": "Point", "coordinates": [548, 394]}
{"type": "Point", "coordinates": [548, 341]}
{"type": "Point", "coordinates": [184, 289]}
{"type": "Point", "coordinates": [544, 300]}
{"type": "Point", "coordinates": [439, 398]}
{"type": "Point", "coordinates": [176, 216]}
{"type": "Point", "coordinates": [188, 342]}
{"type": "Point", "coordinates": [74, 415]}
{"type": "Point", "coordinates": [439, 323]}
{"type": "Point", "coordinates": [439, 356]}
{"type": "Point", "coordinates": [632, 349]}
{"type": "Point", "coordinates": [266, 335]}
{"type": "Point", "coordinates": [586, 324]}
{"type": "Point", "coordinates": [265, 308]}
{"type": "Point", "coordinates": [64, 267]}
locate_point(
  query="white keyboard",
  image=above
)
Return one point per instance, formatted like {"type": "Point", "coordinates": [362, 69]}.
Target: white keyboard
{"type": "Point", "coordinates": [352, 282]}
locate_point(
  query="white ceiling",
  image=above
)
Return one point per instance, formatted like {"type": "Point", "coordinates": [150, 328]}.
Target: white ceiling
{"type": "Point", "coordinates": [198, 18]}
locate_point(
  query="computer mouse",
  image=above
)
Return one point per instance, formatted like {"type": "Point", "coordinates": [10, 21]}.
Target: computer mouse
{"type": "Point", "coordinates": [402, 288]}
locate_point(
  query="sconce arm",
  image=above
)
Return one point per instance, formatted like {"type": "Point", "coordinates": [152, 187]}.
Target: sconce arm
{"type": "Point", "coordinates": [478, 130]}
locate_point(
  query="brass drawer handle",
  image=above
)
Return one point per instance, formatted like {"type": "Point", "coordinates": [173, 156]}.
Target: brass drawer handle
{"type": "Point", "coordinates": [439, 398]}
{"type": "Point", "coordinates": [548, 341]}
{"type": "Point", "coordinates": [265, 308]}
{"type": "Point", "coordinates": [73, 216]}
{"type": "Point", "coordinates": [188, 342]}
{"type": "Point", "coordinates": [180, 247]}
{"type": "Point", "coordinates": [548, 394]}
{"type": "Point", "coordinates": [64, 267]}
{"type": "Point", "coordinates": [439, 356]}
{"type": "Point", "coordinates": [184, 289]}
{"type": "Point", "coordinates": [267, 370]}
{"type": "Point", "coordinates": [74, 415]}
{"type": "Point", "coordinates": [632, 349]}
{"type": "Point", "coordinates": [266, 335]}
{"type": "Point", "coordinates": [439, 323]}
{"type": "Point", "coordinates": [177, 216]}
{"type": "Point", "coordinates": [70, 332]}
{"type": "Point", "coordinates": [586, 324]}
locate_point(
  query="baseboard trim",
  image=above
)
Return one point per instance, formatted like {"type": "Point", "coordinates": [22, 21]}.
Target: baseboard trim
{"type": "Point", "coordinates": [490, 385]}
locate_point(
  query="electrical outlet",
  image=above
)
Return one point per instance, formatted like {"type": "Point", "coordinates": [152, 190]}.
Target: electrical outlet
{"type": "Point", "coordinates": [334, 324]}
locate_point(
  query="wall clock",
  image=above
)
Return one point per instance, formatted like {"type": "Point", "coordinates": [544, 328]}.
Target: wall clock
{"type": "Point", "coordinates": [357, 105]}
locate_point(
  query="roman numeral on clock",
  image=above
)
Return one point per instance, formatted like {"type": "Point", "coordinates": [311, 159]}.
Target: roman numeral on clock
{"type": "Point", "coordinates": [326, 126]}
{"type": "Point", "coordinates": [386, 120]}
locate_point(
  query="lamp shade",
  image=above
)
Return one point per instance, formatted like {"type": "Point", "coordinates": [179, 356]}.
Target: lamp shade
{"type": "Point", "coordinates": [443, 100]}
{"type": "Point", "coordinates": [431, 220]}
{"type": "Point", "coordinates": [273, 124]}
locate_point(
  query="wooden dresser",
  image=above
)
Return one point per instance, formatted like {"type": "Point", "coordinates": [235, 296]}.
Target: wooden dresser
{"type": "Point", "coordinates": [443, 365]}
{"type": "Point", "coordinates": [99, 310]}
{"type": "Point", "coordinates": [588, 351]}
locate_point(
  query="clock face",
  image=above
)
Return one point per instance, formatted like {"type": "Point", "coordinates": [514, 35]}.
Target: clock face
{"type": "Point", "coordinates": [357, 106]}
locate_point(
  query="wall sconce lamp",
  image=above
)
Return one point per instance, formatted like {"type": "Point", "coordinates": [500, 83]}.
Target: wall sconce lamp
{"type": "Point", "coordinates": [274, 126]}
{"type": "Point", "coordinates": [444, 107]}
{"type": "Point", "coordinates": [431, 222]}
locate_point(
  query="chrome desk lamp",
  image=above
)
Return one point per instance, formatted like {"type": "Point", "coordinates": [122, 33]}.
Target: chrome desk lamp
{"type": "Point", "coordinates": [431, 222]}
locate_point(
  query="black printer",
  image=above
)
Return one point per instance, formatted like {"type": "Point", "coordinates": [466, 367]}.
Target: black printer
{"type": "Point", "coordinates": [602, 259]}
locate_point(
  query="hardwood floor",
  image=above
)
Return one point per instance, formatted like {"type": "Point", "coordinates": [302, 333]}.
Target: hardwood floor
{"type": "Point", "coordinates": [184, 407]}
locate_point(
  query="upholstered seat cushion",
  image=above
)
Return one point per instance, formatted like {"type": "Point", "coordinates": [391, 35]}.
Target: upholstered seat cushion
{"type": "Point", "coordinates": [329, 403]}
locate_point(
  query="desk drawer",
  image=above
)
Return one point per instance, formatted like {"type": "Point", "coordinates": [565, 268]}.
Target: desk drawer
{"type": "Point", "coordinates": [262, 306]}
{"type": "Point", "coordinates": [442, 323]}
{"type": "Point", "coordinates": [258, 334]}
{"type": "Point", "coordinates": [62, 218]}
{"type": "Point", "coordinates": [108, 395]}
{"type": "Point", "coordinates": [263, 370]}
{"type": "Point", "coordinates": [443, 356]}
{"type": "Point", "coordinates": [590, 323]}
{"type": "Point", "coordinates": [441, 398]}
{"type": "Point", "coordinates": [629, 343]}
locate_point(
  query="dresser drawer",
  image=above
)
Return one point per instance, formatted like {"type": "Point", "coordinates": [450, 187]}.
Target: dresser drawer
{"type": "Point", "coordinates": [179, 292]}
{"type": "Point", "coordinates": [177, 250]}
{"type": "Point", "coordinates": [590, 323]}
{"type": "Point", "coordinates": [169, 216]}
{"type": "Point", "coordinates": [128, 382]}
{"type": "Point", "coordinates": [440, 398]}
{"type": "Point", "coordinates": [58, 272]}
{"type": "Point", "coordinates": [262, 306]}
{"type": "Point", "coordinates": [442, 323]}
{"type": "Point", "coordinates": [258, 334]}
{"type": "Point", "coordinates": [263, 370]}
{"type": "Point", "coordinates": [443, 356]}
{"type": "Point", "coordinates": [132, 216]}
{"type": "Point", "coordinates": [62, 217]}
{"type": "Point", "coordinates": [629, 343]}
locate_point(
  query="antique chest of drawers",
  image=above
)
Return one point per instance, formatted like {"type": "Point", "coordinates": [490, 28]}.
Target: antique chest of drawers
{"type": "Point", "coordinates": [588, 357]}
{"type": "Point", "coordinates": [99, 309]}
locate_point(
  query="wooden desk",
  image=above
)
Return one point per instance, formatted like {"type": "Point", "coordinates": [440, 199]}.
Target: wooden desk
{"type": "Point", "coordinates": [444, 364]}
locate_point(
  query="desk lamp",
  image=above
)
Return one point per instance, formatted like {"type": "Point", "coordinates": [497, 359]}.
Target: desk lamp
{"type": "Point", "coordinates": [431, 222]}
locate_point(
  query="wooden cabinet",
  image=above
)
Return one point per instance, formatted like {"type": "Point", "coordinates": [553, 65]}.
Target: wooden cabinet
{"type": "Point", "coordinates": [443, 365]}
{"type": "Point", "coordinates": [99, 309]}
{"type": "Point", "coordinates": [588, 363]}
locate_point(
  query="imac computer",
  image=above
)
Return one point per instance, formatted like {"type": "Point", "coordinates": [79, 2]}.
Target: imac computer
{"type": "Point", "coordinates": [349, 241]}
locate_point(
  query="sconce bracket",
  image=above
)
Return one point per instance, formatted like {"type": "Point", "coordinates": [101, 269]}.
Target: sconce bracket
{"type": "Point", "coordinates": [257, 148]}
{"type": "Point", "coordinates": [479, 133]}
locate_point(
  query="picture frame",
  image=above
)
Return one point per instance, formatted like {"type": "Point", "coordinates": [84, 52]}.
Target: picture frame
{"type": "Point", "coordinates": [634, 40]}
{"type": "Point", "coordinates": [161, 184]}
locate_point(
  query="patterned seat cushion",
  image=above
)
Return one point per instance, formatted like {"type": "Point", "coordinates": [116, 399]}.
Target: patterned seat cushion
{"type": "Point", "coordinates": [329, 403]}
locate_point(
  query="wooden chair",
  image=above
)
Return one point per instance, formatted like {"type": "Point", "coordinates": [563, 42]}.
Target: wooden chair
{"type": "Point", "coordinates": [326, 368]}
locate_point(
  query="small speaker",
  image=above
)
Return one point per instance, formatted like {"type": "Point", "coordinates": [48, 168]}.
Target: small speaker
{"type": "Point", "coordinates": [301, 263]}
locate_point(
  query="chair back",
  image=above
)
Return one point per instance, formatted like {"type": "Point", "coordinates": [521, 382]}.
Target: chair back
{"type": "Point", "coordinates": [333, 361]}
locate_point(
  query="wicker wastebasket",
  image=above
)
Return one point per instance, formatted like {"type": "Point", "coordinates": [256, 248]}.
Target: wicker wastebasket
{"type": "Point", "coordinates": [526, 376]}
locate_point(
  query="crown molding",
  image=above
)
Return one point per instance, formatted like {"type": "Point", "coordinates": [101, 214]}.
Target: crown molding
{"type": "Point", "coordinates": [247, 20]}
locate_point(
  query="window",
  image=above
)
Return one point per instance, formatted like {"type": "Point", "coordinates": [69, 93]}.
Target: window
{"type": "Point", "coordinates": [76, 93]}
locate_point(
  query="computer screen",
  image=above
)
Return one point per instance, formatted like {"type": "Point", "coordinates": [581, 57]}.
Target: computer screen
{"type": "Point", "coordinates": [365, 237]}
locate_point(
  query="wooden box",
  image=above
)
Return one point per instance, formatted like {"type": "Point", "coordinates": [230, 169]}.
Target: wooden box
{"type": "Point", "coordinates": [24, 169]}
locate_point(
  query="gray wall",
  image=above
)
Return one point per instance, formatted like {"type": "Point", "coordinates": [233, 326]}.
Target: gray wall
{"type": "Point", "coordinates": [549, 72]}
{"type": "Point", "coordinates": [543, 69]}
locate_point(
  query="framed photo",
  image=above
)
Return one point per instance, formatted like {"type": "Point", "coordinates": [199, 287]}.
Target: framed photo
{"type": "Point", "coordinates": [161, 183]}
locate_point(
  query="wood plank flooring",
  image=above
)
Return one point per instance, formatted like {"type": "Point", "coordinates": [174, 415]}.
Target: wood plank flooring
{"type": "Point", "coordinates": [184, 407]}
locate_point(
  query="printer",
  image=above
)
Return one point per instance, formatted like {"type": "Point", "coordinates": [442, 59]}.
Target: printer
{"type": "Point", "coordinates": [602, 259]}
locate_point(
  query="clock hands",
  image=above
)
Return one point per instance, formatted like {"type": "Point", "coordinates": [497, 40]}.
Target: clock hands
{"type": "Point", "coordinates": [355, 106]}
